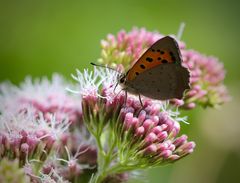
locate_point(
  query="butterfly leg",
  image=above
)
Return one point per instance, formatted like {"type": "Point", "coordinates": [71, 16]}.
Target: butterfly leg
{"type": "Point", "coordinates": [125, 99]}
{"type": "Point", "coordinates": [140, 100]}
{"type": "Point", "coordinates": [142, 107]}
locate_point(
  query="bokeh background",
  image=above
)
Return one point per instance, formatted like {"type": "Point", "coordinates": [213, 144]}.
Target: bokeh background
{"type": "Point", "coordinates": [41, 37]}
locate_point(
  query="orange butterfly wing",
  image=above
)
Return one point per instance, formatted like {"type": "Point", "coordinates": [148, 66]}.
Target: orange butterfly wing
{"type": "Point", "coordinates": [163, 51]}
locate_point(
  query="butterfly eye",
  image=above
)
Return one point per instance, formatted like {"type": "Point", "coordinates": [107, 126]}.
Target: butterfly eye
{"type": "Point", "coordinates": [122, 80]}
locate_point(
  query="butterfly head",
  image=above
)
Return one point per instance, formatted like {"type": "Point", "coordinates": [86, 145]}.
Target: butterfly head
{"type": "Point", "coordinates": [121, 79]}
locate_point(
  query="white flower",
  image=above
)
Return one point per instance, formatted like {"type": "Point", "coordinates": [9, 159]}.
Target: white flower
{"type": "Point", "coordinates": [91, 81]}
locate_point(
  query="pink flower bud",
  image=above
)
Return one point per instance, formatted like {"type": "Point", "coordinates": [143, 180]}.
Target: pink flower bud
{"type": "Point", "coordinates": [140, 131]}
{"type": "Point", "coordinates": [162, 136]}
{"type": "Point", "coordinates": [24, 148]}
{"type": "Point", "coordinates": [150, 138]}
{"type": "Point", "coordinates": [131, 124]}
{"type": "Point", "coordinates": [180, 140]}
{"type": "Point", "coordinates": [128, 120]}
{"type": "Point", "coordinates": [170, 124]}
{"type": "Point", "coordinates": [162, 147]}
{"type": "Point", "coordinates": [174, 157]}
{"type": "Point", "coordinates": [135, 122]}
{"type": "Point", "coordinates": [172, 147]}
{"type": "Point", "coordinates": [72, 165]}
{"type": "Point", "coordinates": [129, 110]}
{"type": "Point", "coordinates": [166, 154]}
{"type": "Point", "coordinates": [157, 130]}
{"type": "Point", "coordinates": [130, 101]}
{"type": "Point", "coordinates": [197, 87]}
{"type": "Point", "coordinates": [155, 119]}
{"type": "Point", "coordinates": [201, 93]}
{"type": "Point", "coordinates": [191, 93]}
{"type": "Point", "coordinates": [175, 129]}
{"type": "Point", "coordinates": [147, 124]}
{"type": "Point", "coordinates": [191, 105]}
{"type": "Point", "coordinates": [164, 127]}
{"type": "Point", "coordinates": [142, 116]}
{"type": "Point", "coordinates": [188, 147]}
{"type": "Point", "coordinates": [177, 102]}
{"type": "Point", "coordinates": [163, 117]}
{"type": "Point", "coordinates": [155, 109]}
{"type": "Point", "coordinates": [151, 149]}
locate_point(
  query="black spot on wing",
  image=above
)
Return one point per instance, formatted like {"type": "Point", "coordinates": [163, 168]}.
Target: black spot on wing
{"type": "Point", "coordinates": [149, 59]}
{"type": "Point", "coordinates": [142, 66]}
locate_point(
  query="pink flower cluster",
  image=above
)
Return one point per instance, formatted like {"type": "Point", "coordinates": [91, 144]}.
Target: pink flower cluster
{"type": "Point", "coordinates": [156, 134]}
{"type": "Point", "coordinates": [129, 136]}
{"type": "Point", "coordinates": [40, 117]}
{"type": "Point", "coordinates": [47, 97]}
{"type": "Point", "coordinates": [207, 73]}
{"type": "Point", "coordinates": [24, 137]}
{"type": "Point", "coordinates": [148, 133]}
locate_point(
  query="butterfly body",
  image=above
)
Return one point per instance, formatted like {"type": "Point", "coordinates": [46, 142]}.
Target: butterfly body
{"type": "Point", "coordinates": [158, 73]}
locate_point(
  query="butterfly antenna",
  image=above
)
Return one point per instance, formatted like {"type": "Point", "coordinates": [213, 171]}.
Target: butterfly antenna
{"type": "Point", "coordinates": [104, 66]}
{"type": "Point", "coordinates": [115, 87]}
{"type": "Point", "coordinates": [180, 31]}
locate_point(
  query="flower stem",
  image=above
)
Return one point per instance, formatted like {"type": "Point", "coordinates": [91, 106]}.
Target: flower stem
{"type": "Point", "coordinates": [104, 158]}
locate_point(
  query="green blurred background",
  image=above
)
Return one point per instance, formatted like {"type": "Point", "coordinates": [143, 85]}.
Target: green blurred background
{"type": "Point", "coordinates": [41, 37]}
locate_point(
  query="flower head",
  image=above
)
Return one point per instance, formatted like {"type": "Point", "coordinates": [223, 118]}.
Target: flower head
{"type": "Point", "coordinates": [38, 117]}
{"type": "Point", "coordinates": [206, 73]}
{"type": "Point", "coordinates": [23, 136]}
{"type": "Point", "coordinates": [47, 97]}
{"type": "Point", "coordinates": [136, 137]}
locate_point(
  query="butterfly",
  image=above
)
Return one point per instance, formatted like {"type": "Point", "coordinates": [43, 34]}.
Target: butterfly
{"type": "Point", "coordinates": [158, 73]}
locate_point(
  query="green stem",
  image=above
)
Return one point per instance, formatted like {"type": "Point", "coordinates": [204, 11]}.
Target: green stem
{"type": "Point", "coordinates": [104, 159]}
